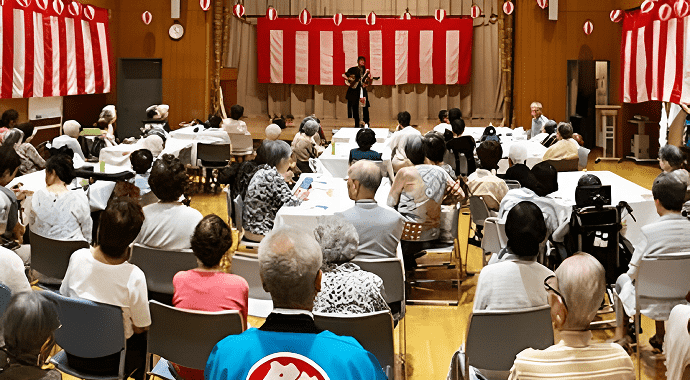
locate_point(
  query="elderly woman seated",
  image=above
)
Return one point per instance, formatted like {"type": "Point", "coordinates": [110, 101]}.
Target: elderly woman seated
{"type": "Point", "coordinates": [31, 160]}
{"type": "Point", "coordinates": [267, 191]}
{"type": "Point", "coordinates": [303, 146]}
{"type": "Point", "coordinates": [70, 130]}
{"type": "Point", "coordinates": [365, 139]}
{"type": "Point", "coordinates": [484, 182]}
{"type": "Point", "coordinates": [565, 148]}
{"type": "Point", "coordinates": [345, 288]}
{"type": "Point", "coordinates": [169, 224]}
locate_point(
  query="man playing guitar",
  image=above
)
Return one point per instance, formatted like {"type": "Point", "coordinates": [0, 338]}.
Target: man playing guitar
{"type": "Point", "coordinates": [358, 78]}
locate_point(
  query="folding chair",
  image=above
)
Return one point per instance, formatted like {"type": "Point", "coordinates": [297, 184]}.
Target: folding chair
{"type": "Point", "coordinates": [50, 257]}
{"type": "Point", "coordinates": [242, 144]}
{"type": "Point", "coordinates": [212, 156]}
{"type": "Point", "coordinates": [479, 212]}
{"type": "Point", "coordinates": [494, 238]}
{"type": "Point", "coordinates": [569, 165]}
{"type": "Point", "coordinates": [247, 267]}
{"type": "Point", "coordinates": [374, 331]}
{"type": "Point", "coordinates": [235, 207]}
{"type": "Point", "coordinates": [5, 297]}
{"type": "Point", "coordinates": [88, 330]}
{"type": "Point", "coordinates": [160, 266]}
{"type": "Point", "coordinates": [512, 184]}
{"type": "Point", "coordinates": [495, 337]}
{"type": "Point", "coordinates": [186, 337]}
{"type": "Point", "coordinates": [391, 272]}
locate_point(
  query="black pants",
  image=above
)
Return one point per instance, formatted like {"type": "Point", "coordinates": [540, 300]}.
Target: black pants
{"type": "Point", "coordinates": [135, 360]}
{"type": "Point", "coordinates": [410, 249]}
{"type": "Point", "coordinates": [353, 109]}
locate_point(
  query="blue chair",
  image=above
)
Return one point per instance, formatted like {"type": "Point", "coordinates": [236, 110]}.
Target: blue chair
{"type": "Point", "coordinates": [5, 297]}
{"type": "Point", "coordinates": [89, 330]}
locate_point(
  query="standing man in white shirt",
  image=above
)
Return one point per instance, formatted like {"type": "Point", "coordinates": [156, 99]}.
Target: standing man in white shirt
{"type": "Point", "coordinates": [538, 120]}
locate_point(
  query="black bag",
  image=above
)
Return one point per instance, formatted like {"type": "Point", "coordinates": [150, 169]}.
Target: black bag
{"type": "Point", "coordinates": [98, 144]}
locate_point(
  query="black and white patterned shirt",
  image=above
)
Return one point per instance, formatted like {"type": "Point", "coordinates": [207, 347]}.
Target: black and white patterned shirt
{"type": "Point", "coordinates": [266, 194]}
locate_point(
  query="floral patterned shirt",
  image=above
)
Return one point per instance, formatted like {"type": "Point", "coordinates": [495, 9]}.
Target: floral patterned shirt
{"type": "Point", "coordinates": [347, 289]}
{"type": "Point", "coordinates": [266, 194]}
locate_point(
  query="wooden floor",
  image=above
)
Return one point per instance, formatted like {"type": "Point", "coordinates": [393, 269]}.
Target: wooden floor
{"type": "Point", "coordinates": [433, 333]}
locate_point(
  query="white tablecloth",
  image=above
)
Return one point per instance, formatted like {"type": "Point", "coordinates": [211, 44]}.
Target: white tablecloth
{"type": "Point", "coordinates": [119, 154]}
{"type": "Point", "coordinates": [337, 165]}
{"type": "Point", "coordinates": [535, 151]}
{"type": "Point", "coordinates": [347, 135]}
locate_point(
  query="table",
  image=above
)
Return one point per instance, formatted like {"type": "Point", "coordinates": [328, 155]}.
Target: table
{"type": "Point", "coordinates": [119, 154]}
{"type": "Point", "coordinates": [345, 135]}
{"type": "Point", "coordinates": [337, 164]}
{"type": "Point", "coordinates": [535, 151]}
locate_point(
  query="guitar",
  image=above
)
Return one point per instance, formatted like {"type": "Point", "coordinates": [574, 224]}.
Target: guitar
{"type": "Point", "coordinates": [366, 79]}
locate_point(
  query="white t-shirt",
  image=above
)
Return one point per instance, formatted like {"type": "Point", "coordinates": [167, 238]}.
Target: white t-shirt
{"type": "Point", "coordinates": [12, 272]}
{"type": "Point", "coordinates": [71, 143]}
{"type": "Point", "coordinates": [168, 225]}
{"type": "Point", "coordinates": [122, 285]}
{"type": "Point", "coordinates": [65, 216]}
{"type": "Point", "coordinates": [443, 127]}
{"type": "Point", "coordinates": [511, 285]}
{"type": "Point", "coordinates": [398, 141]}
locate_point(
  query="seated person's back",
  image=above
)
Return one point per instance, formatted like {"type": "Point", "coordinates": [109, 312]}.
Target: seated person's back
{"type": "Point", "coordinates": [483, 182]}
{"type": "Point", "coordinates": [70, 130]}
{"type": "Point", "coordinates": [169, 224]}
{"type": "Point", "coordinates": [565, 148]}
{"type": "Point", "coordinates": [365, 139]}
{"type": "Point", "coordinates": [462, 144]}
{"type": "Point", "coordinates": [142, 160]}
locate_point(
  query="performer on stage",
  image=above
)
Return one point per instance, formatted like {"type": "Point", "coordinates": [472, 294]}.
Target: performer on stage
{"type": "Point", "coordinates": [358, 78]}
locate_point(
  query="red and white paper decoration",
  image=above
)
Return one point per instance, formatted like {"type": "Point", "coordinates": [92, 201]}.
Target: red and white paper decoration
{"type": "Point", "coordinates": [43, 4]}
{"type": "Point", "coordinates": [440, 14]}
{"type": "Point", "coordinates": [588, 27]}
{"type": "Point", "coordinates": [371, 18]}
{"type": "Point", "coordinates": [58, 6]}
{"type": "Point", "coordinates": [89, 12]}
{"type": "Point", "coordinates": [146, 17]}
{"type": "Point", "coordinates": [665, 12]}
{"type": "Point", "coordinates": [337, 18]}
{"type": "Point", "coordinates": [543, 4]}
{"type": "Point", "coordinates": [508, 7]}
{"type": "Point", "coordinates": [305, 17]}
{"type": "Point", "coordinates": [238, 10]}
{"type": "Point", "coordinates": [205, 4]}
{"type": "Point", "coordinates": [406, 16]}
{"type": "Point", "coordinates": [616, 15]}
{"type": "Point", "coordinates": [682, 8]}
{"type": "Point", "coordinates": [74, 8]}
{"type": "Point", "coordinates": [647, 6]}
{"type": "Point", "coordinates": [271, 13]}
{"type": "Point", "coordinates": [475, 11]}
{"type": "Point", "coordinates": [23, 3]}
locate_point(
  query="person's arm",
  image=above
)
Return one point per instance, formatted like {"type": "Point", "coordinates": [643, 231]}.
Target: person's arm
{"type": "Point", "coordinates": [283, 192]}
{"type": "Point", "coordinates": [397, 187]}
{"type": "Point", "coordinates": [139, 302]}
{"type": "Point", "coordinates": [82, 212]}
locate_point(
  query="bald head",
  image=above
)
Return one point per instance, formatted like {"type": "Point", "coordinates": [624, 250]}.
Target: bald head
{"type": "Point", "coordinates": [582, 282]}
{"type": "Point", "coordinates": [364, 179]}
{"type": "Point", "coordinates": [273, 132]}
{"type": "Point", "coordinates": [71, 128]}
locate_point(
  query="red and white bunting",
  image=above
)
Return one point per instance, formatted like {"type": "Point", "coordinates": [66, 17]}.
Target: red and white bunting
{"type": "Point", "coordinates": [337, 18]}
{"type": "Point", "coordinates": [305, 17]}
{"type": "Point", "coordinates": [58, 6]}
{"type": "Point", "coordinates": [271, 13]}
{"type": "Point", "coordinates": [647, 6]}
{"type": "Point", "coordinates": [440, 14]}
{"type": "Point", "coordinates": [475, 11]}
{"type": "Point", "coordinates": [42, 4]}
{"type": "Point", "coordinates": [89, 12]}
{"type": "Point", "coordinates": [588, 27]}
{"type": "Point", "coordinates": [74, 8]}
{"type": "Point", "coordinates": [508, 7]}
{"type": "Point", "coordinates": [616, 15]}
{"type": "Point", "coordinates": [205, 4]}
{"type": "Point", "coordinates": [238, 10]}
{"type": "Point", "coordinates": [23, 3]}
{"type": "Point", "coordinates": [682, 8]}
{"type": "Point", "coordinates": [665, 12]}
{"type": "Point", "coordinates": [146, 17]}
{"type": "Point", "coordinates": [371, 18]}
{"type": "Point", "coordinates": [543, 4]}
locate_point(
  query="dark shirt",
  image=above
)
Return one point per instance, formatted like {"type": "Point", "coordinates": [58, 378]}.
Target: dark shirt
{"type": "Point", "coordinates": [359, 154]}
{"type": "Point", "coordinates": [522, 174]}
{"type": "Point", "coordinates": [19, 370]}
{"type": "Point", "coordinates": [464, 145]}
{"type": "Point", "coordinates": [298, 323]}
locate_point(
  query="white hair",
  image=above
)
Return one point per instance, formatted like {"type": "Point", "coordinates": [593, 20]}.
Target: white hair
{"type": "Point", "coordinates": [518, 153]}
{"type": "Point", "coordinates": [273, 131]}
{"type": "Point", "coordinates": [338, 239]}
{"type": "Point", "coordinates": [71, 128]}
{"type": "Point", "coordinates": [108, 114]}
{"type": "Point", "coordinates": [154, 143]}
{"type": "Point", "coordinates": [311, 127]}
{"type": "Point", "coordinates": [289, 260]}
{"type": "Point", "coordinates": [582, 282]}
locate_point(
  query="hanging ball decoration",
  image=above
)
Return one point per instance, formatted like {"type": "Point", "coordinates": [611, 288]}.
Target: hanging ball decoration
{"type": "Point", "coordinates": [89, 12]}
{"type": "Point", "coordinates": [682, 8]}
{"type": "Point", "coordinates": [305, 17]}
{"type": "Point", "coordinates": [43, 4]}
{"type": "Point", "coordinates": [665, 12]}
{"type": "Point", "coordinates": [58, 6]}
{"type": "Point", "coordinates": [371, 18]}
{"type": "Point", "coordinates": [647, 6]}
{"type": "Point", "coordinates": [543, 4]}
{"type": "Point", "coordinates": [271, 13]}
{"type": "Point", "coordinates": [74, 8]}
{"type": "Point", "coordinates": [406, 16]}
{"type": "Point", "coordinates": [508, 7]}
{"type": "Point", "coordinates": [616, 15]}
{"type": "Point", "coordinates": [588, 27]}
{"type": "Point", "coordinates": [475, 11]}
{"type": "Point", "coordinates": [205, 4]}
{"type": "Point", "coordinates": [238, 10]}
{"type": "Point", "coordinates": [23, 3]}
{"type": "Point", "coordinates": [440, 14]}
{"type": "Point", "coordinates": [337, 18]}
{"type": "Point", "coordinates": [146, 17]}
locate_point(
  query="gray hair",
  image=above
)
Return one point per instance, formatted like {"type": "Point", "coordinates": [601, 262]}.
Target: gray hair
{"type": "Point", "coordinates": [338, 239]}
{"type": "Point", "coordinates": [518, 153]}
{"type": "Point", "coordinates": [311, 127]}
{"type": "Point", "coordinates": [367, 173]}
{"type": "Point", "coordinates": [672, 155]}
{"type": "Point", "coordinates": [565, 130]}
{"type": "Point", "coordinates": [271, 152]}
{"type": "Point", "coordinates": [108, 114]}
{"type": "Point", "coordinates": [289, 261]}
{"type": "Point", "coordinates": [13, 137]}
{"type": "Point", "coordinates": [71, 128]}
{"type": "Point", "coordinates": [273, 132]}
{"type": "Point", "coordinates": [670, 189]}
{"type": "Point", "coordinates": [582, 282]}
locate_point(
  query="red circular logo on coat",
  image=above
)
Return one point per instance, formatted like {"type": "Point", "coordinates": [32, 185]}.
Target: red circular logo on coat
{"type": "Point", "coordinates": [286, 366]}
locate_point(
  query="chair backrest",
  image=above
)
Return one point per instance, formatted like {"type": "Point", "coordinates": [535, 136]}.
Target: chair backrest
{"type": "Point", "coordinates": [391, 272]}
{"type": "Point", "coordinates": [462, 161]}
{"type": "Point", "coordinates": [185, 156]}
{"type": "Point", "coordinates": [491, 241]}
{"type": "Point", "coordinates": [512, 184]}
{"type": "Point", "coordinates": [583, 155]}
{"type": "Point", "coordinates": [374, 331]}
{"type": "Point", "coordinates": [241, 143]}
{"type": "Point", "coordinates": [148, 198]}
{"type": "Point", "coordinates": [160, 266]}
{"type": "Point", "coordinates": [569, 165]}
{"type": "Point", "coordinates": [187, 337]}
{"type": "Point", "coordinates": [88, 329]}
{"type": "Point", "coordinates": [478, 210]}
{"type": "Point", "coordinates": [248, 268]}
{"type": "Point", "coordinates": [237, 215]}
{"type": "Point", "coordinates": [51, 257]}
{"type": "Point", "coordinates": [213, 152]}
{"type": "Point", "coordinates": [495, 337]}
{"type": "Point", "coordinates": [664, 277]}
{"type": "Point", "coordinates": [5, 297]}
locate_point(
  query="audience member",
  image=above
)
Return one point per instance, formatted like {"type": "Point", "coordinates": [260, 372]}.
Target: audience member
{"type": "Point", "coordinates": [345, 287]}
{"type": "Point", "coordinates": [273, 132]}
{"type": "Point", "coordinates": [289, 262]}
{"type": "Point", "coordinates": [365, 138]}
{"type": "Point", "coordinates": [462, 145]}
{"type": "Point", "coordinates": [141, 161]}
{"type": "Point", "coordinates": [677, 342]}
{"type": "Point", "coordinates": [518, 170]}
{"type": "Point", "coordinates": [13, 138]}
{"type": "Point", "coordinates": [490, 134]}
{"type": "Point", "coordinates": [547, 176]}
{"type": "Point", "coordinates": [484, 182]}
{"type": "Point", "coordinates": [106, 122]}
{"type": "Point", "coordinates": [379, 227]}
{"type": "Point", "coordinates": [671, 158]}
{"type": "Point", "coordinates": [9, 119]}
{"type": "Point", "coordinates": [669, 234]}
{"type": "Point", "coordinates": [208, 287]}
{"type": "Point", "coordinates": [214, 121]}
{"type": "Point", "coordinates": [157, 115]}
{"type": "Point", "coordinates": [102, 274]}
{"type": "Point", "coordinates": [582, 152]}
{"type": "Point", "coordinates": [566, 147]}
{"type": "Point", "coordinates": [57, 212]}
{"type": "Point", "coordinates": [31, 161]}
{"type": "Point", "coordinates": [267, 191]}
{"type": "Point", "coordinates": [70, 130]}
{"type": "Point", "coordinates": [12, 272]}
{"type": "Point", "coordinates": [435, 152]}
{"type": "Point", "coordinates": [10, 228]}
{"type": "Point", "coordinates": [29, 323]}
{"type": "Point", "coordinates": [398, 141]}
{"type": "Point", "coordinates": [169, 224]}
{"type": "Point", "coordinates": [538, 119]}
{"type": "Point", "coordinates": [303, 146]}
{"type": "Point", "coordinates": [575, 295]}
{"type": "Point", "coordinates": [444, 124]}
{"type": "Point", "coordinates": [234, 124]}
{"type": "Point", "coordinates": [279, 121]}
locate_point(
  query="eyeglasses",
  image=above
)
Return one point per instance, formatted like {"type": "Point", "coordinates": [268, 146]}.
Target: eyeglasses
{"type": "Point", "coordinates": [551, 288]}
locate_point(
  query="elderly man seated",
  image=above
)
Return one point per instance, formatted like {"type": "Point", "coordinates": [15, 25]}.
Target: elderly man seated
{"type": "Point", "coordinates": [566, 148]}
{"type": "Point", "coordinates": [70, 130]}
{"type": "Point", "coordinates": [677, 342]}
{"type": "Point", "coordinates": [289, 345]}
{"type": "Point", "coordinates": [669, 234]}
{"type": "Point", "coordinates": [379, 228]}
{"type": "Point", "coordinates": [575, 295]}
{"type": "Point", "coordinates": [484, 182]}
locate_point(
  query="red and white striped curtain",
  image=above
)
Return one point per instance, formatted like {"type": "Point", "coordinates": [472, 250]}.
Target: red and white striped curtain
{"type": "Point", "coordinates": [398, 51]}
{"type": "Point", "coordinates": [53, 48]}
{"type": "Point", "coordinates": [655, 57]}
